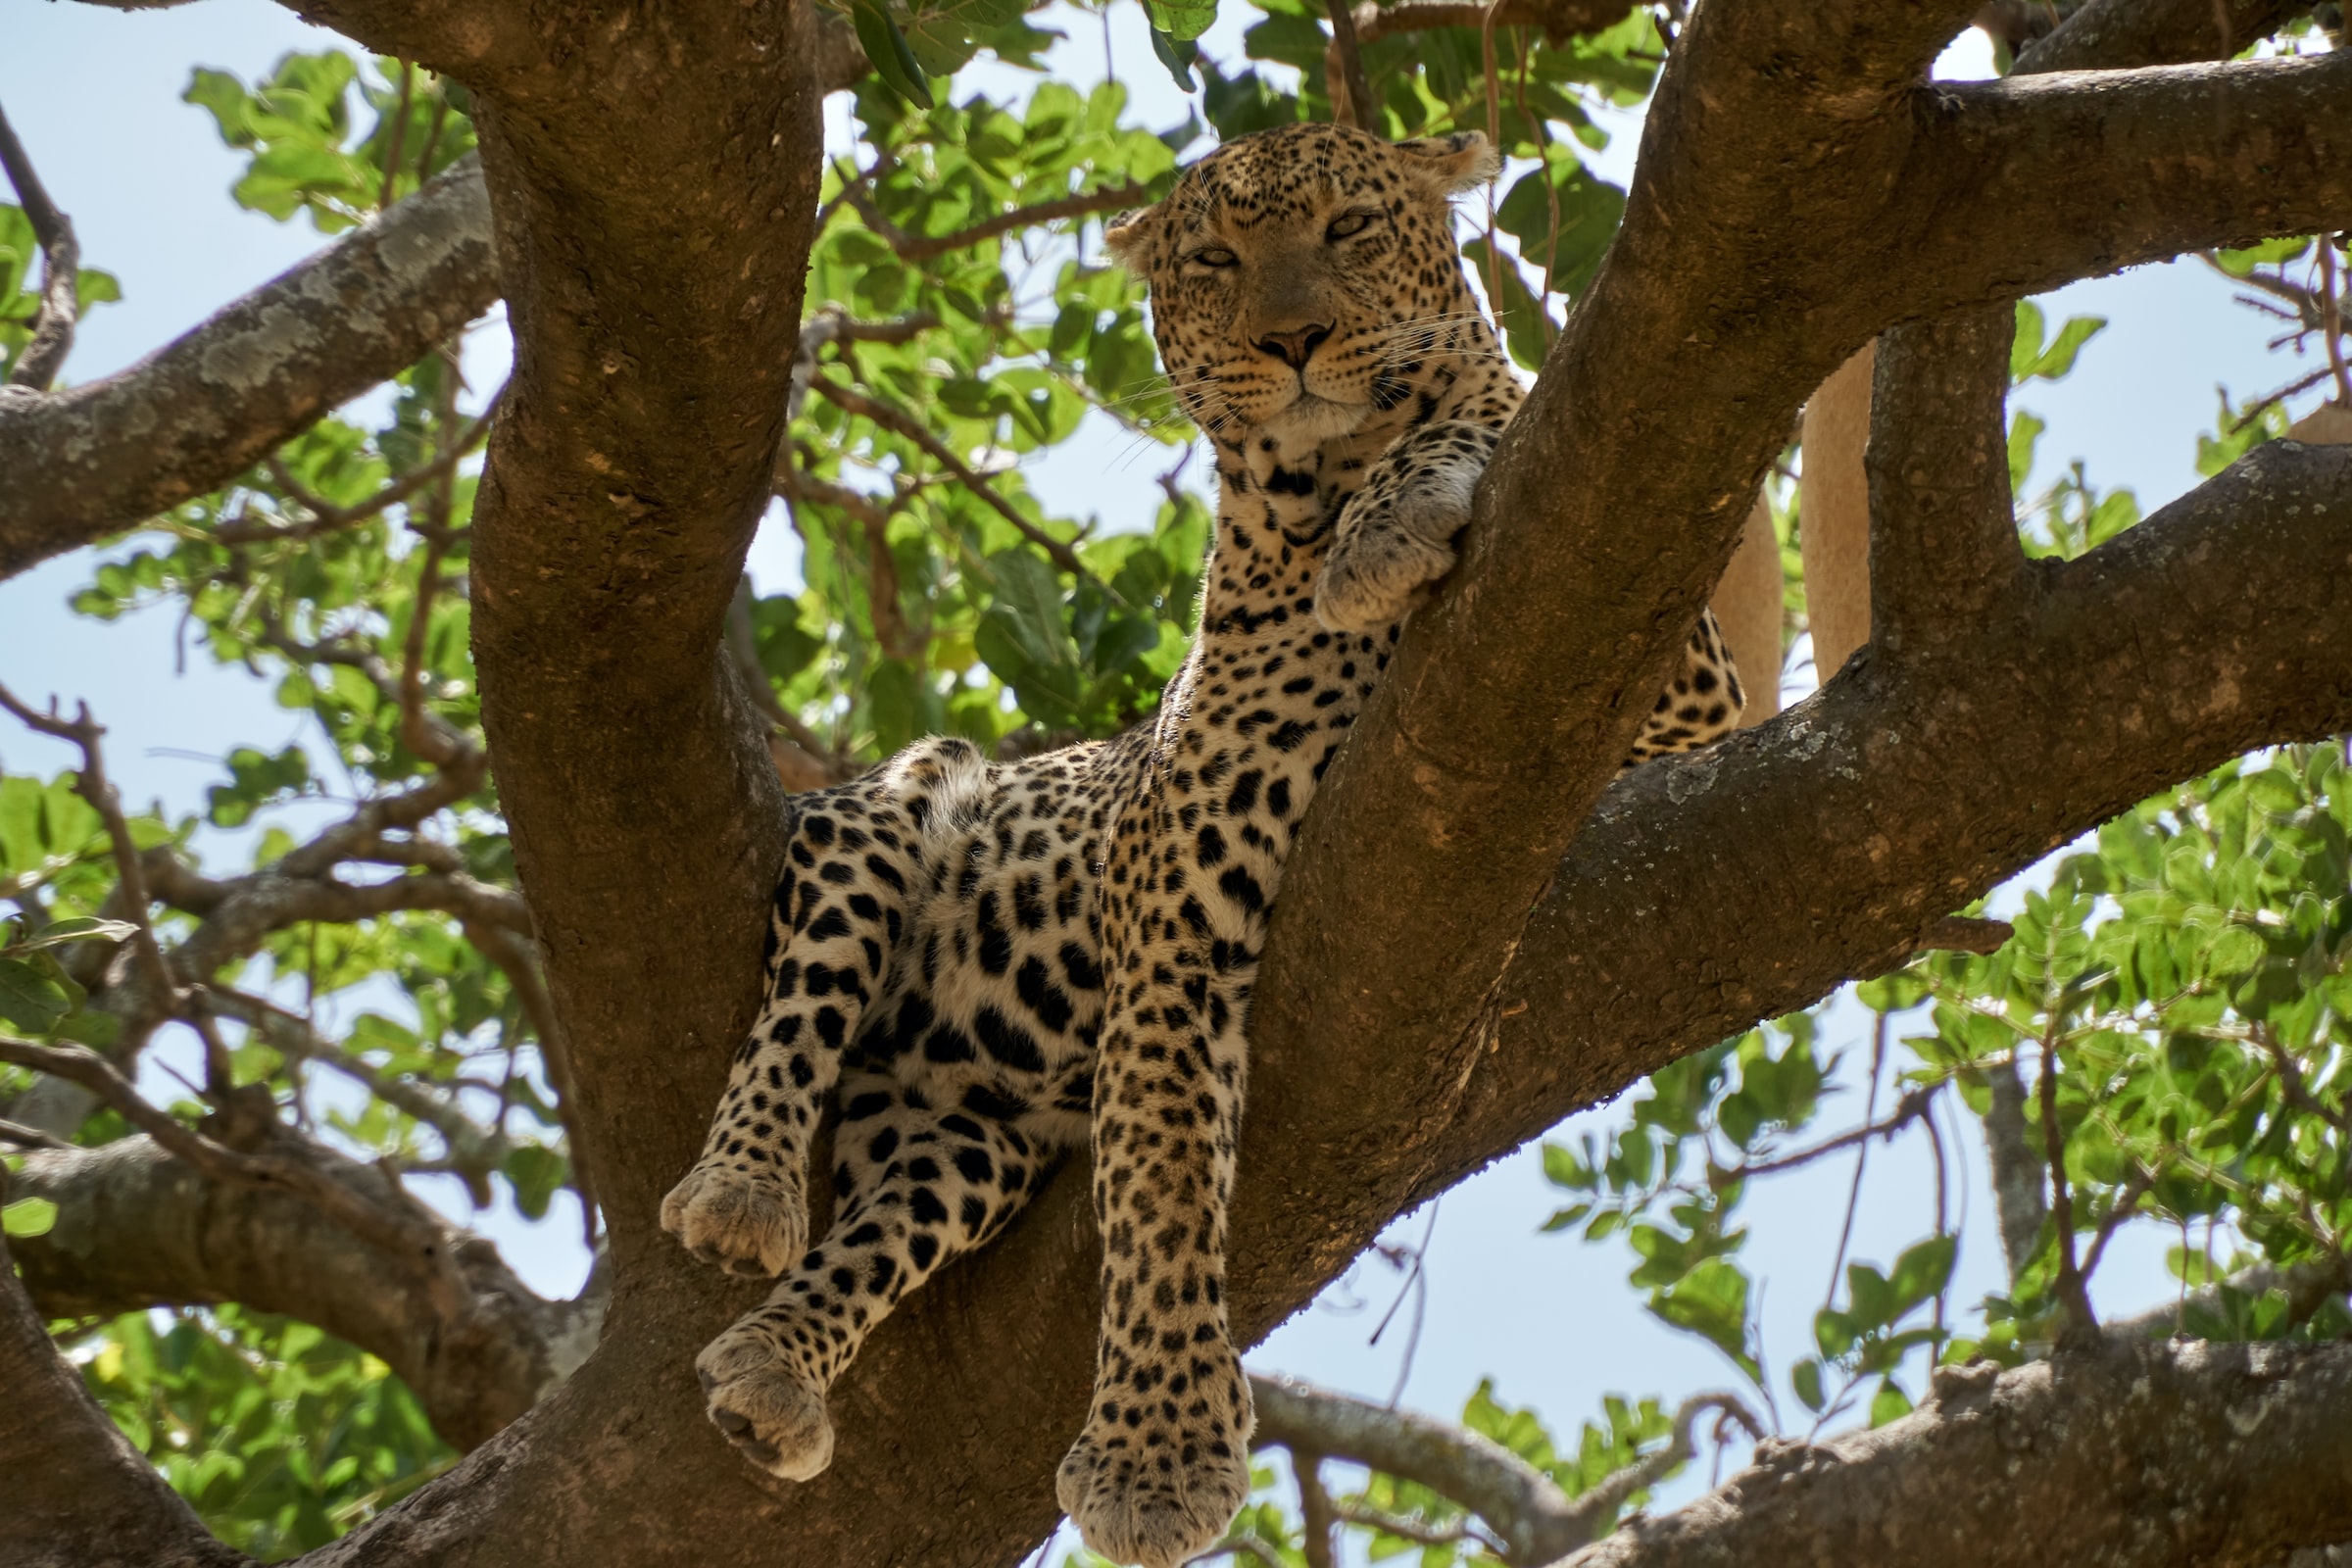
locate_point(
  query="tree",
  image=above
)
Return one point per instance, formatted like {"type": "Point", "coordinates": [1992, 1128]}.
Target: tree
{"type": "Point", "coordinates": [571, 761]}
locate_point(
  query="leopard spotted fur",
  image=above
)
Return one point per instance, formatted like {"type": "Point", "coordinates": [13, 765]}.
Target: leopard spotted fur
{"type": "Point", "coordinates": [992, 963]}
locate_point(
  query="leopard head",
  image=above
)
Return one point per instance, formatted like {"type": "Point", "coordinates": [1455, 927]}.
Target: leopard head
{"type": "Point", "coordinates": [1306, 277]}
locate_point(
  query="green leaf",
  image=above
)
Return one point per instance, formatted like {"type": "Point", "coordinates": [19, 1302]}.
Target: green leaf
{"type": "Point", "coordinates": [28, 1216]}
{"type": "Point", "coordinates": [1805, 1379]}
{"type": "Point", "coordinates": [78, 928]}
{"type": "Point", "coordinates": [1177, 55]}
{"type": "Point", "coordinates": [1921, 1271]}
{"type": "Point", "coordinates": [1890, 1403]}
{"type": "Point", "coordinates": [1711, 1302]}
{"type": "Point", "coordinates": [31, 998]}
{"type": "Point", "coordinates": [1181, 20]}
{"type": "Point", "coordinates": [2030, 358]}
{"type": "Point", "coordinates": [887, 48]}
{"type": "Point", "coordinates": [535, 1172]}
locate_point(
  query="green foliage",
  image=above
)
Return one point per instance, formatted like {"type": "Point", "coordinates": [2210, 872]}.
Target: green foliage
{"type": "Point", "coordinates": [281, 1437]}
{"type": "Point", "coordinates": [298, 125]}
{"type": "Point", "coordinates": [21, 278]}
{"type": "Point", "coordinates": [2175, 971]}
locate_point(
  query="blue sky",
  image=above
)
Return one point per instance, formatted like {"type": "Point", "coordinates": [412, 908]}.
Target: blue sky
{"type": "Point", "coordinates": [95, 95]}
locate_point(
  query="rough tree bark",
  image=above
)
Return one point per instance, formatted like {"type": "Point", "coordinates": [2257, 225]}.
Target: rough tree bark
{"type": "Point", "coordinates": [1553, 952]}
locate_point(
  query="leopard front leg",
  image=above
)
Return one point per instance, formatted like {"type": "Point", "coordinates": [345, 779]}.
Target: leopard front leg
{"type": "Point", "coordinates": [837, 911]}
{"type": "Point", "coordinates": [1395, 536]}
{"type": "Point", "coordinates": [1163, 1463]}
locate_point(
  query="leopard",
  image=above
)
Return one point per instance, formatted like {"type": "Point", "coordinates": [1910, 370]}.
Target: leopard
{"type": "Point", "coordinates": [989, 966]}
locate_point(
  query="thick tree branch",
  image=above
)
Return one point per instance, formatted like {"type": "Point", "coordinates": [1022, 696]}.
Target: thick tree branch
{"type": "Point", "coordinates": [2217, 154]}
{"type": "Point", "coordinates": [2122, 35]}
{"type": "Point", "coordinates": [398, 1227]}
{"type": "Point", "coordinates": [139, 1227]}
{"type": "Point", "coordinates": [2134, 1456]}
{"type": "Point", "coordinates": [1944, 547]}
{"type": "Point", "coordinates": [88, 462]}
{"type": "Point", "coordinates": [78, 1491]}
{"type": "Point", "coordinates": [52, 336]}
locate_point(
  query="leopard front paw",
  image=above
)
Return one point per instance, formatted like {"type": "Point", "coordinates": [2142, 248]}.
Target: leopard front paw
{"type": "Point", "coordinates": [764, 1403]}
{"type": "Point", "coordinates": [1165, 1487]}
{"type": "Point", "coordinates": [1391, 542]}
{"type": "Point", "coordinates": [749, 1223]}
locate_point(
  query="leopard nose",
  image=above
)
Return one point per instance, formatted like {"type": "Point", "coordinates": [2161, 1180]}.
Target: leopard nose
{"type": "Point", "coordinates": [1294, 347]}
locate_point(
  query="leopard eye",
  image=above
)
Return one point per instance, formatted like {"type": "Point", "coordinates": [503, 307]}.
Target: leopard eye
{"type": "Point", "coordinates": [1214, 256]}
{"type": "Point", "coordinates": [1347, 224]}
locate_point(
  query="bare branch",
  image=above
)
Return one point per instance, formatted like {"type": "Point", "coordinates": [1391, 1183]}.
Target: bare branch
{"type": "Point", "coordinates": [99, 457]}
{"type": "Point", "coordinates": [2219, 153]}
{"type": "Point", "coordinates": [1532, 1517]}
{"type": "Point", "coordinates": [2123, 34]}
{"type": "Point", "coordinates": [93, 786]}
{"type": "Point", "coordinates": [475, 1151]}
{"type": "Point", "coordinates": [1561, 19]}
{"type": "Point", "coordinates": [1533, 1520]}
{"type": "Point", "coordinates": [327, 518]}
{"type": "Point", "coordinates": [905, 424]}
{"type": "Point", "coordinates": [1344, 79]}
{"type": "Point", "coordinates": [60, 269]}
{"type": "Point", "coordinates": [924, 247]}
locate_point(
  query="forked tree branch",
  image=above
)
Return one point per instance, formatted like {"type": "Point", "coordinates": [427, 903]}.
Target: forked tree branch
{"type": "Point", "coordinates": [137, 1227]}
{"type": "Point", "coordinates": [113, 1509]}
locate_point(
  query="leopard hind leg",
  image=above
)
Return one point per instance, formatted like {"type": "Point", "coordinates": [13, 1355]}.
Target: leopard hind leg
{"type": "Point", "coordinates": [914, 1187]}
{"type": "Point", "coordinates": [859, 853]}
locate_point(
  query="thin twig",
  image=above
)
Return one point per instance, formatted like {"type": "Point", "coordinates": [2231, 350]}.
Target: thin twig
{"type": "Point", "coordinates": [1317, 1523]}
{"type": "Point", "coordinates": [2127, 1205]}
{"type": "Point", "coordinates": [2292, 1084]}
{"type": "Point", "coordinates": [1350, 89]}
{"type": "Point", "coordinates": [327, 518]}
{"type": "Point", "coordinates": [1418, 1531]}
{"type": "Point", "coordinates": [2074, 1298]}
{"type": "Point", "coordinates": [905, 424]}
{"type": "Point", "coordinates": [29, 1136]}
{"type": "Point", "coordinates": [60, 269]}
{"type": "Point", "coordinates": [400, 134]}
{"type": "Point", "coordinates": [2332, 320]}
{"type": "Point", "coordinates": [1910, 1108]}
{"type": "Point", "coordinates": [924, 247]}
{"type": "Point", "coordinates": [1869, 1105]}
{"type": "Point", "coordinates": [93, 786]}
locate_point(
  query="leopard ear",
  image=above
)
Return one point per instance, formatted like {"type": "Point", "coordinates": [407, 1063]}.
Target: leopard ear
{"type": "Point", "coordinates": [1125, 237]}
{"type": "Point", "coordinates": [1461, 162]}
